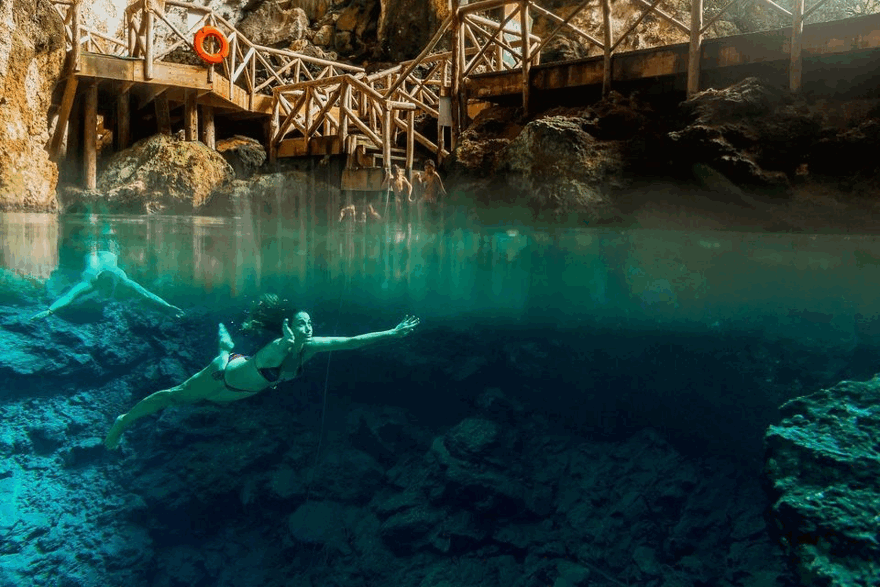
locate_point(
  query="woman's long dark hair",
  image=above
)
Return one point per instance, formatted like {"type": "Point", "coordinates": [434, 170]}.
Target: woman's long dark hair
{"type": "Point", "coordinates": [268, 313]}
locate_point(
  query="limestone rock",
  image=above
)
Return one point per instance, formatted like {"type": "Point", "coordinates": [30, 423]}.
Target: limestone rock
{"type": "Point", "coordinates": [275, 22]}
{"type": "Point", "coordinates": [157, 174]}
{"type": "Point", "coordinates": [823, 474]}
{"type": "Point", "coordinates": [31, 57]}
{"type": "Point", "coordinates": [406, 26]}
{"type": "Point", "coordinates": [754, 134]}
{"type": "Point", "coordinates": [244, 154]}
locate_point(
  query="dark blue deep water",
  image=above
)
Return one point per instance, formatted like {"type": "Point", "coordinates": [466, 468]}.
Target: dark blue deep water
{"type": "Point", "coordinates": [577, 407]}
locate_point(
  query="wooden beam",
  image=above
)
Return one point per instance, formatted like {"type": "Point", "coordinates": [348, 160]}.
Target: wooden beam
{"type": "Point", "coordinates": [90, 137]}
{"type": "Point", "coordinates": [797, 30]}
{"type": "Point", "coordinates": [209, 133]}
{"type": "Point", "coordinates": [63, 116]}
{"type": "Point", "coordinates": [456, 60]}
{"type": "Point", "coordinates": [607, 45]}
{"type": "Point", "coordinates": [123, 120]}
{"type": "Point", "coordinates": [149, 53]}
{"type": "Point", "coordinates": [526, 57]}
{"type": "Point", "coordinates": [191, 117]}
{"type": "Point", "coordinates": [151, 94]}
{"type": "Point", "coordinates": [696, 48]}
{"type": "Point", "coordinates": [163, 115]}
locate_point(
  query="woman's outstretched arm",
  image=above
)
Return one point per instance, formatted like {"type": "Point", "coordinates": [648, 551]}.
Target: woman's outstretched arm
{"type": "Point", "coordinates": [320, 344]}
{"type": "Point", "coordinates": [147, 294]}
{"type": "Point", "coordinates": [80, 289]}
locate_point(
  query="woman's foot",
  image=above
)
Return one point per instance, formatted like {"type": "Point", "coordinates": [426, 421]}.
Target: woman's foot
{"type": "Point", "coordinates": [226, 343]}
{"type": "Point", "coordinates": [115, 432]}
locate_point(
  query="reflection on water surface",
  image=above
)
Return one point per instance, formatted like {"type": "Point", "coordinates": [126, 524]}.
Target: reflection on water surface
{"type": "Point", "coordinates": [455, 269]}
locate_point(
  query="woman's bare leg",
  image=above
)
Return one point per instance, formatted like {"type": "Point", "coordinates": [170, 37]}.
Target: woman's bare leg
{"type": "Point", "coordinates": [197, 388]}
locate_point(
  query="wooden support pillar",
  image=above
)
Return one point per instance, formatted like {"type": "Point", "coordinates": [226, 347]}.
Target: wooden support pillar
{"type": "Point", "coordinates": [797, 28]}
{"type": "Point", "coordinates": [696, 48]}
{"type": "Point", "coordinates": [526, 53]}
{"type": "Point", "coordinates": [90, 137]}
{"type": "Point", "coordinates": [73, 149]}
{"type": "Point", "coordinates": [386, 138]}
{"type": "Point", "coordinates": [191, 116]}
{"type": "Point", "coordinates": [123, 120]}
{"type": "Point", "coordinates": [456, 59]}
{"type": "Point", "coordinates": [163, 115]}
{"type": "Point", "coordinates": [344, 106]}
{"type": "Point", "coordinates": [209, 132]}
{"type": "Point", "coordinates": [607, 44]}
{"type": "Point", "coordinates": [410, 141]}
{"type": "Point", "coordinates": [274, 122]}
{"type": "Point", "coordinates": [63, 117]}
{"type": "Point", "coordinates": [76, 31]}
{"type": "Point", "coordinates": [149, 53]}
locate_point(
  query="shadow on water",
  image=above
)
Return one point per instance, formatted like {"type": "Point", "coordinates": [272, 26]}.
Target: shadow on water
{"type": "Point", "coordinates": [698, 334]}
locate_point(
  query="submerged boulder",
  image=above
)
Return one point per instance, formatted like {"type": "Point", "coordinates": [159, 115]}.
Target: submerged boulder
{"type": "Point", "coordinates": [156, 175]}
{"type": "Point", "coordinates": [823, 474]}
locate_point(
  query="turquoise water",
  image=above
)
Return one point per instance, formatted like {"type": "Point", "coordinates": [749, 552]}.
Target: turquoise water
{"type": "Point", "coordinates": [457, 271]}
{"type": "Point", "coordinates": [642, 360]}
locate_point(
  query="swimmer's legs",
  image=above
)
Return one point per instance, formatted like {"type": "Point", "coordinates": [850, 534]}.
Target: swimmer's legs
{"type": "Point", "coordinates": [197, 388]}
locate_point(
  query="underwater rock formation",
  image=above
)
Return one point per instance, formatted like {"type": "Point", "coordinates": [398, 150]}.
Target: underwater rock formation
{"type": "Point", "coordinates": [823, 475]}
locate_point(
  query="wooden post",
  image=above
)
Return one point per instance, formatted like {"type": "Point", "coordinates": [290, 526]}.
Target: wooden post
{"type": "Point", "coordinates": [209, 133]}
{"type": "Point", "coordinates": [90, 137]}
{"type": "Point", "coordinates": [696, 49]}
{"type": "Point", "coordinates": [344, 106]}
{"type": "Point", "coordinates": [526, 53]}
{"type": "Point", "coordinates": [77, 33]}
{"type": "Point", "coordinates": [606, 41]}
{"type": "Point", "coordinates": [797, 29]}
{"type": "Point", "coordinates": [73, 148]}
{"type": "Point", "coordinates": [273, 128]}
{"type": "Point", "coordinates": [386, 137]}
{"type": "Point", "coordinates": [163, 116]}
{"type": "Point", "coordinates": [123, 120]}
{"type": "Point", "coordinates": [191, 116]}
{"type": "Point", "coordinates": [63, 117]}
{"type": "Point", "coordinates": [410, 141]}
{"type": "Point", "coordinates": [456, 71]}
{"type": "Point", "coordinates": [148, 55]}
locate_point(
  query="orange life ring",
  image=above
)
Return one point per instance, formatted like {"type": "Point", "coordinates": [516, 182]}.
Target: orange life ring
{"type": "Point", "coordinates": [199, 45]}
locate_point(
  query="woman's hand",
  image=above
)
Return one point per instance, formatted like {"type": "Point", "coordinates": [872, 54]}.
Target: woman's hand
{"type": "Point", "coordinates": [407, 326]}
{"type": "Point", "coordinates": [287, 333]}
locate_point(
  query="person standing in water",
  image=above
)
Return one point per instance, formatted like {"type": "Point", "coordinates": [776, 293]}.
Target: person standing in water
{"type": "Point", "coordinates": [397, 182]}
{"type": "Point", "coordinates": [432, 185]}
{"type": "Point", "coordinates": [103, 275]}
{"type": "Point", "coordinates": [231, 377]}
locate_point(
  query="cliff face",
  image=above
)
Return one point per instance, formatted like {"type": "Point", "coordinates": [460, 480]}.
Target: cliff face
{"type": "Point", "coordinates": [31, 59]}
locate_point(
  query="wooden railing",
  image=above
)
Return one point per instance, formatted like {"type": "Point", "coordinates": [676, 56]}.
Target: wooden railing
{"type": "Point", "coordinates": [345, 108]}
{"type": "Point", "coordinates": [316, 98]}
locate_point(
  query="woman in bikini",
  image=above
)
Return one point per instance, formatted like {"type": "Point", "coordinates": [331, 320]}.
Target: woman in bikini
{"type": "Point", "coordinates": [103, 275]}
{"type": "Point", "coordinates": [397, 182]}
{"type": "Point", "coordinates": [231, 377]}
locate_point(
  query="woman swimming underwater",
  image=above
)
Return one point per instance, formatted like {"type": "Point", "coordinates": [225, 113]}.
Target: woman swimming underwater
{"type": "Point", "coordinates": [232, 377]}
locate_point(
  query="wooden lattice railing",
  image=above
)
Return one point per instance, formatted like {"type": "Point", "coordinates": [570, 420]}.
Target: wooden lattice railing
{"type": "Point", "coordinates": [317, 99]}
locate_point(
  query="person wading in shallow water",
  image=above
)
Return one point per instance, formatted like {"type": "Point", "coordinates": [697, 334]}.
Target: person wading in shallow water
{"type": "Point", "coordinates": [400, 185]}
{"type": "Point", "coordinates": [231, 377]}
{"type": "Point", "coordinates": [102, 275]}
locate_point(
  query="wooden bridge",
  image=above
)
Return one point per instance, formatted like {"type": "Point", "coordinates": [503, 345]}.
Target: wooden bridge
{"type": "Point", "coordinates": [304, 106]}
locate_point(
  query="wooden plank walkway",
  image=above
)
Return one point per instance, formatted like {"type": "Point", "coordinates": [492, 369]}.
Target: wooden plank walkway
{"type": "Point", "coordinates": [836, 38]}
